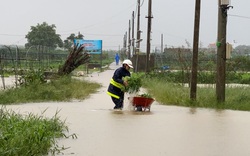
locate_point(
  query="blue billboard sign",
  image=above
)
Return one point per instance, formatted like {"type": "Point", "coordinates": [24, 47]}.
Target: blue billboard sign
{"type": "Point", "coordinates": [90, 46]}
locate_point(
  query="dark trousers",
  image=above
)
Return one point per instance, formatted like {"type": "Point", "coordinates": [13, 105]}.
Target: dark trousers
{"type": "Point", "coordinates": [118, 102]}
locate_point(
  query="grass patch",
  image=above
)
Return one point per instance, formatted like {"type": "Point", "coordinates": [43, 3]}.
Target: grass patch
{"type": "Point", "coordinates": [168, 93]}
{"type": "Point", "coordinates": [36, 135]}
{"type": "Point", "coordinates": [29, 135]}
{"type": "Point", "coordinates": [62, 89]}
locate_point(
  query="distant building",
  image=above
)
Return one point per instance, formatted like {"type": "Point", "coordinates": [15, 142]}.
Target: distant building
{"type": "Point", "coordinates": [212, 46]}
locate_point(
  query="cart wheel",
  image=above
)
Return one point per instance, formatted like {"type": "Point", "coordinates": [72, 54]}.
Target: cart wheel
{"type": "Point", "coordinates": [139, 108]}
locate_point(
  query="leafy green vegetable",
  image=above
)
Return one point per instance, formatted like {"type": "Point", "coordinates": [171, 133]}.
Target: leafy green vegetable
{"type": "Point", "coordinates": [134, 83]}
{"type": "Point", "coordinates": [145, 95]}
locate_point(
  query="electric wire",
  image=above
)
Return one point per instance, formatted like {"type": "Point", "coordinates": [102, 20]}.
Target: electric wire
{"type": "Point", "coordinates": [100, 22]}
{"type": "Point", "coordinates": [239, 16]}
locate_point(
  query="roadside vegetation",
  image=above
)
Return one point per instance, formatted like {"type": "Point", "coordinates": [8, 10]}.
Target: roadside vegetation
{"type": "Point", "coordinates": [172, 91]}
{"type": "Point", "coordinates": [61, 89]}
{"type": "Point", "coordinates": [170, 86]}
{"type": "Point", "coordinates": [31, 134]}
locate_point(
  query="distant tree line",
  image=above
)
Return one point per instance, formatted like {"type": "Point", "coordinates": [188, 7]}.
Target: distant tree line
{"type": "Point", "coordinates": [45, 35]}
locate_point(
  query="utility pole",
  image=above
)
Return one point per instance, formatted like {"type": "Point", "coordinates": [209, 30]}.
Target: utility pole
{"type": "Point", "coordinates": [221, 50]}
{"type": "Point", "coordinates": [129, 40]}
{"type": "Point", "coordinates": [119, 51]}
{"type": "Point", "coordinates": [193, 88]}
{"type": "Point", "coordinates": [133, 31]}
{"type": "Point", "coordinates": [162, 50]}
{"type": "Point", "coordinates": [125, 43]}
{"type": "Point", "coordinates": [138, 37]}
{"type": "Point", "coordinates": [148, 34]}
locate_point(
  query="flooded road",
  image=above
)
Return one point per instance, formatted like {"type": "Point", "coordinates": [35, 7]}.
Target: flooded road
{"type": "Point", "coordinates": [164, 131]}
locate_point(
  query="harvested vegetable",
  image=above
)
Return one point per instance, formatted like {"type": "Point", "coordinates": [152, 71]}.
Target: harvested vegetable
{"type": "Point", "coordinates": [134, 83]}
{"type": "Point", "coordinates": [145, 95]}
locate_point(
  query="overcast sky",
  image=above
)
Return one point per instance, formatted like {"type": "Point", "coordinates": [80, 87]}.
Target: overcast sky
{"type": "Point", "coordinates": [108, 20]}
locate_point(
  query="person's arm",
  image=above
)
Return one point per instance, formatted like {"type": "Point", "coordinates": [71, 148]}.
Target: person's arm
{"type": "Point", "coordinates": [118, 76]}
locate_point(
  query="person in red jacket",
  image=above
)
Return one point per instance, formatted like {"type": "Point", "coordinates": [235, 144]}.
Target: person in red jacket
{"type": "Point", "coordinates": [117, 82]}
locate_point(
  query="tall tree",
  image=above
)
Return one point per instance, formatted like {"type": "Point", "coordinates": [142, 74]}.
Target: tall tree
{"type": "Point", "coordinates": [44, 35]}
{"type": "Point", "coordinates": [68, 43]}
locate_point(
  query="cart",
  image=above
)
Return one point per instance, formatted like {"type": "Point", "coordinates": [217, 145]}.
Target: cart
{"type": "Point", "coordinates": [141, 103]}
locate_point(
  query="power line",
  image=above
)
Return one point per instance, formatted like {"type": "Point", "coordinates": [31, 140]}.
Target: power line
{"type": "Point", "coordinates": [77, 29]}
{"type": "Point", "coordinates": [95, 34]}
{"type": "Point", "coordinates": [66, 34]}
{"type": "Point", "coordinates": [239, 16]}
{"type": "Point", "coordinates": [141, 4]}
{"type": "Point", "coordinates": [100, 22]}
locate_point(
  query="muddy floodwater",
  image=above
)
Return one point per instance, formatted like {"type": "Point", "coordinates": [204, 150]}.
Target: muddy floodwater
{"type": "Point", "coordinates": [164, 131]}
